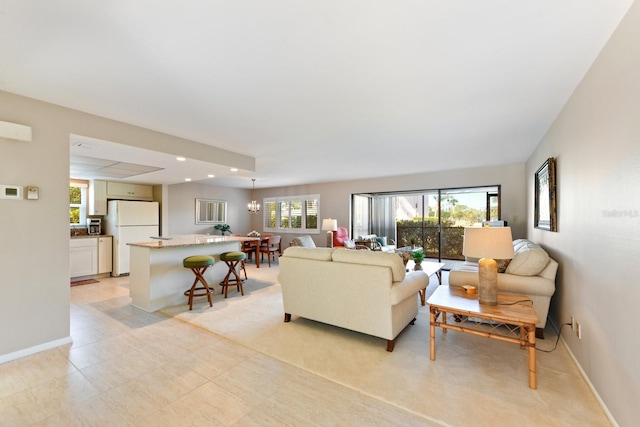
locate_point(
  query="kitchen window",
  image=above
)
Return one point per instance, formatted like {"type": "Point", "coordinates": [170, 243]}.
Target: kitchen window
{"type": "Point", "coordinates": [296, 214]}
{"type": "Point", "coordinates": [78, 203]}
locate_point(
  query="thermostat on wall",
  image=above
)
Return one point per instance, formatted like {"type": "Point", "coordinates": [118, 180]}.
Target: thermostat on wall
{"type": "Point", "coordinates": [10, 192]}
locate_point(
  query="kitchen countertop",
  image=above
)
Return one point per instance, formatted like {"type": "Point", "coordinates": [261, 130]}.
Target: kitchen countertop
{"type": "Point", "coordinates": [88, 236]}
{"type": "Point", "coordinates": [190, 240]}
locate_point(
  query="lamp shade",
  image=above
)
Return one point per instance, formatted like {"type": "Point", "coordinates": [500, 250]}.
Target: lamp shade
{"type": "Point", "coordinates": [488, 242]}
{"type": "Point", "coordinates": [329, 224]}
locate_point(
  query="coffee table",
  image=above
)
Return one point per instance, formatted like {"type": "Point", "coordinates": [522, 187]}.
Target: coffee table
{"type": "Point", "coordinates": [513, 319]}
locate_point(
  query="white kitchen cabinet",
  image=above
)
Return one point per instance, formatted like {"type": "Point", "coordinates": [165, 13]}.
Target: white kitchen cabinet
{"type": "Point", "coordinates": [128, 191]}
{"type": "Point", "coordinates": [105, 254]}
{"type": "Point", "coordinates": [83, 257]}
{"type": "Point", "coordinates": [97, 197]}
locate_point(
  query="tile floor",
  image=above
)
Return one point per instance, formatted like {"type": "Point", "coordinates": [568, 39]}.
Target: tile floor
{"type": "Point", "coordinates": [131, 368]}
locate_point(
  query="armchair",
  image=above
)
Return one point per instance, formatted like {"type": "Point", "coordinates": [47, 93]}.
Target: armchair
{"type": "Point", "coordinates": [339, 236]}
{"type": "Point", "coordinates": [376, 243]}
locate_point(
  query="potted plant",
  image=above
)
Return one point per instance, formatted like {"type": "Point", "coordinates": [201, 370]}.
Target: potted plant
{"type": "Point", "coordinates": [417, 257]}
{"type": "Point", "coordinates": [223, 228]}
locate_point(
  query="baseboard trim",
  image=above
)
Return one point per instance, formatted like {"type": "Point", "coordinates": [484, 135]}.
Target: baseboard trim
{"type": "Point", "coordinates": [4, 358]}
{"type": "Point", "coordinates": [586, 378]}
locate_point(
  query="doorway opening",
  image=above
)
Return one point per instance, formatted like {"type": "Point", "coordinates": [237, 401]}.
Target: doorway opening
{"type": "Point", "coordinates": [431, 219]}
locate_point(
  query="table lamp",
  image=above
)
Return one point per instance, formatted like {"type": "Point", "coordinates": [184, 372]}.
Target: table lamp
{"type": "Point", "coordinates": [489, 244]}
{"type": "Point", "coordinates": [329, 225]}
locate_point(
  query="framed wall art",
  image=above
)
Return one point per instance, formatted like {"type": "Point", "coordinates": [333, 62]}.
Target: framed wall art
{"type": "Point", "coordinates": [211, 211]}
{"type": "Point", "coordinates": [545, 197]}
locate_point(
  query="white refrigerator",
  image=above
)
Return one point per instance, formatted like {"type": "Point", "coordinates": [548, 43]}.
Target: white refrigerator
{"type": "Point", "coordinates": [130, 222]}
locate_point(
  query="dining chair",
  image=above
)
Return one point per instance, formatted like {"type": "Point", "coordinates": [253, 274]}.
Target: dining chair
{"type": "Point", "coordinates": [249, 249]}
{"type": "Point", "coordinates": [271, 248]}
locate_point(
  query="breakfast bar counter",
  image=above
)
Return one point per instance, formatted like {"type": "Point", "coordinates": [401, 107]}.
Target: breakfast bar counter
{"type": "Point", "coordinates": [157, 278]}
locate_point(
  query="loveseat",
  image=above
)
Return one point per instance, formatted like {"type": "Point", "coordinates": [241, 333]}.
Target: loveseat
{"type": "Point", "coordinates": [364, 291]}
{"type": "Point", "coordinates": [531, 272]}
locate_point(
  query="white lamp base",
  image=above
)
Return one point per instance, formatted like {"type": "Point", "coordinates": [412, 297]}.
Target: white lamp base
{"type": "Point", "coordinates": [488, 281]}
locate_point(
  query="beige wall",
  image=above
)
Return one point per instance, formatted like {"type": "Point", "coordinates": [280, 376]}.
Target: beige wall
{"type": "Point", "coordinates": [596, 143]}
{"type": "Point", "coordinates": [335, 196]}
{"type": "Point", "coordinates": [181, 210]}
{"type": "Point", "coordinates": [34, 235]}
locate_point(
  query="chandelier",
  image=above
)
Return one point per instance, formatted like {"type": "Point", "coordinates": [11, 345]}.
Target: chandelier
{"type": "Point", "coordinates": [253, 207]}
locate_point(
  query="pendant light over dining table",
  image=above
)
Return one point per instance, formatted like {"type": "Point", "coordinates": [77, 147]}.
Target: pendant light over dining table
{"type": "Point", "coordinates": [254, 207]}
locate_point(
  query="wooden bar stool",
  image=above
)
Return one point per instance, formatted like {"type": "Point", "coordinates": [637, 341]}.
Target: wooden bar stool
{"type": "Point", "coordinates": [232, 259]}
{"type": "Point", "coordinates": [198, 264]}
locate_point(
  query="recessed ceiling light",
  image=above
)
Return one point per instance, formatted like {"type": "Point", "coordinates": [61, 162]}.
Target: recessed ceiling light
{"type": "Point", "coordinates": [180, 159]}
{"type": "Point", "coordinates": [234, 169]}
{"type": "Point", "coordinates": [187, 179]}
{"type": "Point", "coordinates": [211, 176]}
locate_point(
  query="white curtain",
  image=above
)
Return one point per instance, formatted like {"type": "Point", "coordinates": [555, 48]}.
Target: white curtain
{"type": "Point", "coordinates": [383, 221]}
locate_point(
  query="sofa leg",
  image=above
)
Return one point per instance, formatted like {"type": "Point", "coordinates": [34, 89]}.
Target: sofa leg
{"type": "Point", "coordinates": [390, 344]}
{"type": "Point", "coordinates": [540, 333]}
{"type": "Point", "coordinates": [413, 322]}
{"type": "Point", "coordinates": [287, 317]}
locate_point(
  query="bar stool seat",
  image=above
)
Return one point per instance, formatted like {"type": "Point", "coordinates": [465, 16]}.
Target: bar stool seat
{"type": "Point", "coordinates": [198, 264]}
{"type": "Point", "coordinates": [232, 259]}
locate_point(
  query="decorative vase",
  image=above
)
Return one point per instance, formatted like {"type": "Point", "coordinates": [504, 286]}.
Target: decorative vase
{"type": "Point", "coordinates": [418, 266]}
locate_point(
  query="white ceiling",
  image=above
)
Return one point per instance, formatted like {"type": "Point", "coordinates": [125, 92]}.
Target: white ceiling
{"type": "Point", "coordinates": [315, 91]}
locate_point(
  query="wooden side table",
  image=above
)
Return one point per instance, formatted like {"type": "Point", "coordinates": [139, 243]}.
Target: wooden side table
{"type": "Point", "coordinates": [512, 320]}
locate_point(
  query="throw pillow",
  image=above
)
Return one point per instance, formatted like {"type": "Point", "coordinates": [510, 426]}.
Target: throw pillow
{"type": "Point", "coordinates": [382, 240]}
{"type": "Point", "coordinates": [304, 241]}
{"type": "Point", "coordinates": [529, 259]}
{"type": "Point", "coordinates": [502, 265]}
{"type": "Point", "coordinates": [349, 244]}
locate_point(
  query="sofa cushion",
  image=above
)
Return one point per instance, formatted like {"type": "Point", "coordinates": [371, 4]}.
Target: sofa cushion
{"type": "Point", "coordinates": [383, 259]}
{"type": "Point", "coordinates": [319, 254]}
{"type": "Point", "coordinates": [304, 241]}
{"type": "Point", "coordinates": [529, 258]}
{"type": "Point", "coordinates": [349, 244]}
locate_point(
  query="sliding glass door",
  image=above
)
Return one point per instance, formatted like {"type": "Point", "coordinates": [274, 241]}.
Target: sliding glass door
{"type": "Point", "coordinates": [431, 219]}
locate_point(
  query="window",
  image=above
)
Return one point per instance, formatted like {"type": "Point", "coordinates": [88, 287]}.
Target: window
{"type": "Point", "coordinates": [297, 214]}
{"type": "Point", "coordinates": [78, 202]}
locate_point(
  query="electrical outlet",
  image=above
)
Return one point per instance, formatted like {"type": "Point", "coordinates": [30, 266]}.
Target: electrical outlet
{"type": "Point", "coordinates": [578, 331]}
{"type": "Point", "coordinates": [573, 323]}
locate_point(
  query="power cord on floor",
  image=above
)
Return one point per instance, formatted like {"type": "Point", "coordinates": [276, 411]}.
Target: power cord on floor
{"type": "Point", "coordinates": [557, 339]}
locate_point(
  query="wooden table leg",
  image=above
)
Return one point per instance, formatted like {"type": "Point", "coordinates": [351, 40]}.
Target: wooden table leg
{"type": "Point", "coordinates": [531, 330]}
{"type": "Point", "coordinates": [423, 293]}
{"type": "Point", "coordinates": [432, 323]}
{"type": "Point", "coordinates": [443, 319]}
{"type": "Point", "coordinates": [257, 253]}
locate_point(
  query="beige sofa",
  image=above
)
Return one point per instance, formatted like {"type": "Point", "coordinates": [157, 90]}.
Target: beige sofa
{"type": "Point", "coordinates": [531, 272]}
{"type": "Point", "coordinates": [364, 291]}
